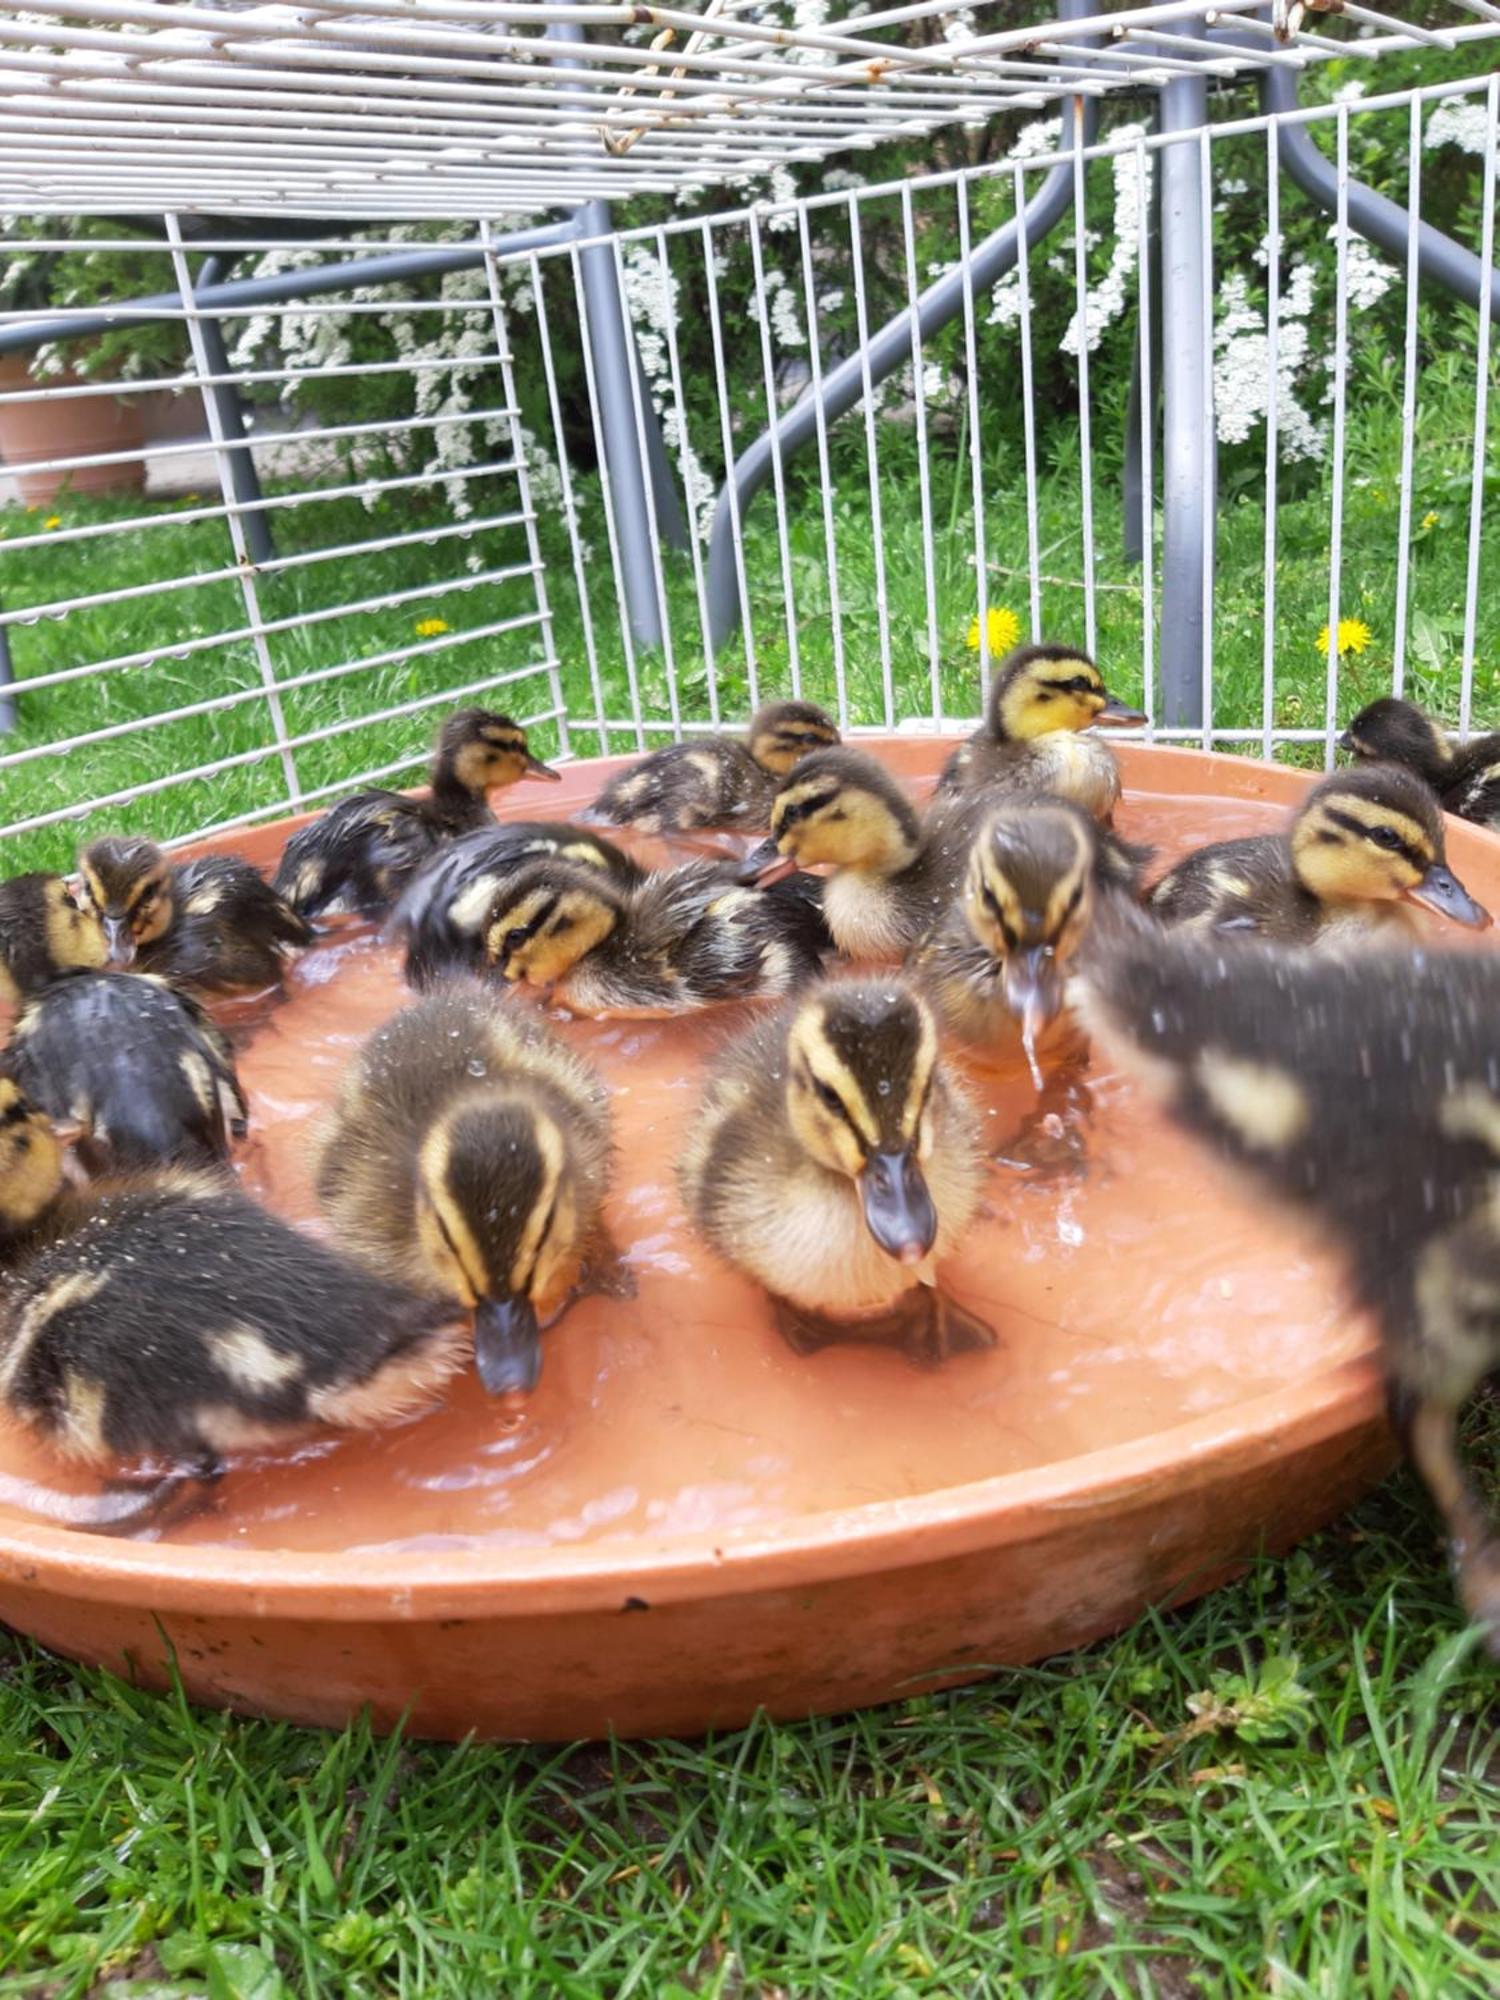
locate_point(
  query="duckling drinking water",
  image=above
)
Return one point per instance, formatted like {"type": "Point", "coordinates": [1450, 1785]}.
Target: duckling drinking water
{"type": "Point", "coordinates": [45, 933]}
{"type": "Point", "coordinates": [1041, 698]}
{"type": "Point", "coordinates": [149, 1325]}
{"type": "Point", "coordinates": [834, 1160]}
{"type": "Point", "coordinates": [363, 851]}
{"type": "Point", "coordinates": [1464, 776]}
{"type": "Point", "coordinates": [468, 1155]}
{"type": "Point", "coordinates": [716, 780]}
{"type": "Point", "coordinates": [212, 923]}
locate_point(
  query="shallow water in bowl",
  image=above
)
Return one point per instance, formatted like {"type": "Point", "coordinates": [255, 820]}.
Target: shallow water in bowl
{"type": "Point", "coordinates": [1131, 1288]}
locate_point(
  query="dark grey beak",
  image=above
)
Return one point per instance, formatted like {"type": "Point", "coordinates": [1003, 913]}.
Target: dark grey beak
{"type": "Point", "coordinates": [1441, 890]}
{"type": "Point", "coordinates": [898, 1207]}
{"type": "Point", "coordinates": [507, 1346]}
{"type": "Point", "coordinates": [1348, 744]}
{"type": "Point", "coordinates": [535, 768]}
{"type": "Point", "coordinates": [1034, 986]}
{"type": "Point", "coordinates": [766, 864]}
{"type": "Point", "coordinates": [1115, 714]}
{"type": "Point", "coordinates": [118, 941]}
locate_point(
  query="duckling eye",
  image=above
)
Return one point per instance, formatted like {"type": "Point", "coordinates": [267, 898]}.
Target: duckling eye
{"type": "Point", "coordinates": [828, 1095]}
{"type": "Point", "coordinates": [1385, 836]}
{"type": "Point", "coordinates": [516, 938]}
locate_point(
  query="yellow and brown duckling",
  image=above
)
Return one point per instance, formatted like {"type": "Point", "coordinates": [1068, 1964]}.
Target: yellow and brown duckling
{"type": "Point", "coordinates": [716, 780]}
{"type": "Point", "coordinates": [1041, 699]}
{"type": "Point", "coordinates": [151, 1324]}
{"type": "Point", "coordinates": [363, 851]}
{"type": "Point", "coordinates": [682, 938]}
{"type": "Point", "coordinates": [45, 933]}
{"type": "Point", "coordinates": [442, 917]}
{"type": "Point", "coordinates": [835, 1162]}
{"type": "Point", "coordinates": [1364, 846]}
{"type": "Point", "coordinates": [137, 1066]}
{"type": "Point", "coordinates": [895, 872]}
{"type": "Point", "coordinates": [213, 923]}
{"type": "Point", "coordinates": [468, 1155]}
{"type": "Point", "coordinates": [1464, 776]}
{"type": "Point", "coordinates": [1363, 1090]}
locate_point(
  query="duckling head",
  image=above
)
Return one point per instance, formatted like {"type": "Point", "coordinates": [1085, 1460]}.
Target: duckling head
{"type": "Point", "coordinates": [128, 882]}
{"type": "Point", "coordinates": [498, 1220]}
{"type": "Point", "coordinates": [545, 917]}
{"type": "Point", "coordinates": [1028, 897]}
{"type": "Point", "coordinates": [784, 731]}
{"type": "Point", "coordinates": [1397, 732]}
{"type": "Point", "coordinates": [838, 806]}
{"type": "Point", "coordinates": [1376, 835]}
{"type": "Point", "coordinates": [481, 752]}
{"type": "Point", "coordinates": [31, 1161]}
{"type": "Point", "coordinates": [45, 931]}
{"type": "Point", "coordinates": [1038, 690]}
{"type": "Point", "coordinates": [861, 1055]}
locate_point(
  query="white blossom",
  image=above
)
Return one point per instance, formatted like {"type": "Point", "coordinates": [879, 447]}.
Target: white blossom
{"type": "Point", "coordinates": [1368, 277]}
{"type": "Point", "coordinates": [1461, 121]}
{"type": "Point", "coordinates": [1242, 363]}
{"type": "Point", "coordinates": [1105, 301]}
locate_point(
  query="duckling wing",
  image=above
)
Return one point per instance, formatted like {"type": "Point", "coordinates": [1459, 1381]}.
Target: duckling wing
{"type": "Point", "coordinates": [361, 852]}
{"type": "Point", "coordinates": [231, 929]}
{"type": "Point", "coordinates": [714, 782]}
{"type": "Point", "coordinates": [1234, 885]}
{"type": "Point", "coordinates": [1473, 791]}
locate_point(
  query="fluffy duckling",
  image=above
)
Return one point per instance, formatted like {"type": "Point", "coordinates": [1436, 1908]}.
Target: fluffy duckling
{"type": "Point", "coordinates": [363, 851]}
{"type": "Point", "coordinates": [681, 939]}
{"type": "Point", "coordinates": [894, 873]}
{"type": "Point", "coordinates": [213, 923]}
{"type": "Point", "coordinates": [165, 1318]}
{"type": "Point", "coordinates": [1040, 698]}
{"type": "Point", "coordinates": [1465, 777]}
{"type": "Point", "coordinates": [44, 933]}
{"type": "Point", "coordinates": [134, 1063]}
{"type": "Point", "coordinates": [834, 1161]}
{"type": "Point", "coordinates": [716, 780]}
{"type": "Point", "coordinates": [1002, 953]}
{"type": "Point", "coordinates": [441, 917]}
{"type": "Point", "coordinates": [468, 1155]}
{"type": "Point", "coordinates": [1363, 846]}
{"type": "Point", "coordinates": [1367, 1094]}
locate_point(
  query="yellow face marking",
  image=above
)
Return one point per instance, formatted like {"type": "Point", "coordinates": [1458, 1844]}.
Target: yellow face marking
{"type": "Point", "coordinates": [853, 829]}
{"type": "Point", "coordinates": [1264, 1106]}
{"type": "Point", "coordinates": [543, 955]}
{"type": "Point", "coordinates": [444, 1232]}
{"type": "Point", "coordinates": [1048, 695]}
{"type": "Point", "coordinates": [1341, 864]}
{"type": "Point", "coordinates": [551, 1152]}
{"type": "Point", "coordinates": [75, 936]}
{"type": "Point", "coordinates": [76, 1289]}
{"type": "Point", "coordinates": [250, 1361]}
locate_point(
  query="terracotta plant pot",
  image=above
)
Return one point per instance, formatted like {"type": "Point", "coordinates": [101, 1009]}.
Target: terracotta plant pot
{"type": "Point", "coordinates": [695, 1523]}
{"type": "Point", "coordinates": [50, 427]}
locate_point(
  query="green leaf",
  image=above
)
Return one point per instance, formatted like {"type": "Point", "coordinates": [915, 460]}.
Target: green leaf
{"type": "Point", "coordinates": [243, 1972]}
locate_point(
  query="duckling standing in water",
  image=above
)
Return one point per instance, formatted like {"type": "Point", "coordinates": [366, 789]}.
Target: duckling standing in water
{"type": "Point", "coordinates": [834, 1161]}
{"type": "Point", "coordinates": [363, 851]}
{"type": "Point", "coordinates": [683, 938]}
{"type": "Point", "coordinates": [1465, 777]}
{"type": "Point", "coordinates": [138, 1066]}
{"type": "Point", "coordinates": [468, 1155]}
{"type": "Point", "coordinates": [1362, 848]}
{"type": "Point", "coordinates": [1364, 1090]}
{"type": "Point", "coordinates": [151, 1324]}
{"type": "Point", "coordinates": [1040, 699]}
{"type": "Point", "coordinates": [716, 780]}
{"type": "Point", "coordinates": [213, 923]}
{"type": "Point", "coordinates": [45, 933]}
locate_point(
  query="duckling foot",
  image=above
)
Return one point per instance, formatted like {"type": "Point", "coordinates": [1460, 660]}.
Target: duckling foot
{"type": "Point", "coordinates": [606, 1275]}
{"type": "Point", "coordinates": [129, 1504]}
{"type": "Point", "coordinates": [923, 1325]}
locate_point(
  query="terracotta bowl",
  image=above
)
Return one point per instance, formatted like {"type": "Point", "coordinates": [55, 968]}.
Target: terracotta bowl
{"type": "Point", "coordinates": [692, 1524]}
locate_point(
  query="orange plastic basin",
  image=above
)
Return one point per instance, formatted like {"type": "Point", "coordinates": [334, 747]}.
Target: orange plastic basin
{"type": "Point", "coordinates": [689, 1523]}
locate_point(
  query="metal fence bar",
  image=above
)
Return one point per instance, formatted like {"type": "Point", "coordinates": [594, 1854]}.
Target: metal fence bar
{"type": "Point", "coordinates": [1028, 403]}
{"type": "Point", "coordinates": [1408, 400]}
{"type": "Point", "coordinates": [1273, 442]}
{"type": "Point", "coordinates": [924, 473]}
{"type": "Point", "coordinates": [768, 377]}
{"type": "Point", "coordinates": [1340, 378]}
{"type": "Point", "coordinates": [1147, 426]}
{"type": "Point", "coordinates": [1481, 414]}
{"type": "Point", "coordinates": [825, 474]}
{"type": "Point", "coordinates": [976, 464]}
{"type": "Point", "coordinates": [685, 472]}
{"type": "Point", "coordinates": [1085, 442]}
{"type": "Point", "coordinates": [872, 454]}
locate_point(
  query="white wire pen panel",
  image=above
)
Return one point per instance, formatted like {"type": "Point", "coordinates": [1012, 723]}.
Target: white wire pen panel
{"type": "Point", "coordinates": [382, 108]}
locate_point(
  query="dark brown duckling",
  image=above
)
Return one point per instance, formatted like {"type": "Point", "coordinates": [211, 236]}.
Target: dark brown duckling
{"type": "Point", "coordinates": [1041, 700]}
{"type": "Point", "coordinates": [716, 780]}
{"type": "Point", "coordinates": [363, 851]}
{"type": "Point", "coordinates": [213, 923]}
{"type": "Point", "coordinates": [45, 933]}
{"type": "Point", "coordinates": [1464, 776]}
{"type": "Point", "coordinates": [1362, 1088]}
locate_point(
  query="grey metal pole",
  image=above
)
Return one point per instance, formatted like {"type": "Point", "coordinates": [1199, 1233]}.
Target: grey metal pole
{"type": "Point", "coordinates": [1189, 470]}
{"type": "Point", "coordinates": [244, 480]}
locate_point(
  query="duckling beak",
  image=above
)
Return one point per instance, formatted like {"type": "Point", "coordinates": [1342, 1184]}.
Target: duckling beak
{"type": "Point", "coordinates": [507, 1346]}
{"type": "Point", "coordinates": [1347, 743]}
{"type": "Point", "coordinates": [1034, 987]}
{"type": "Point", "coordinates": [1441, 890]}
{"type": "Point", "coordinates": [766, 864]}
{"type": "Point", "coordinates": [898, 1208]}
{"type": "Point", "coordinates": [1116, 715]}
{"type": "Point", "coordinates": [535, 768]}
{"type": "Point", "coordinates": [118, 941]}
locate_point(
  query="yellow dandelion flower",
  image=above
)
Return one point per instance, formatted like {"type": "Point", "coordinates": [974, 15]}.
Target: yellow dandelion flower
{"type": "Point", "coordinates": [428, 628]}
{"type": "Point", "coordinates": [53, 521]}
{"type": "Point", "coordinates": [1354, 636]}
{"type": "Point", "coordinates": [1002, 628]}
{"type": "Point", "coordinates": [1430, 520]}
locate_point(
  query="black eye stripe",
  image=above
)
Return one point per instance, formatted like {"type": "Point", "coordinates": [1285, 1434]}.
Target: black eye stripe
{"type": "Point", "coordinates": [1357, 826]}
{"type": "Point", "coordinates": [529, 929]}
{"type": "Point", "coordinates": [816, 1086]}
{"type": "Point", "coordinates": [992, 904]}
{"type": "Point", "coordinates": [795, 810]}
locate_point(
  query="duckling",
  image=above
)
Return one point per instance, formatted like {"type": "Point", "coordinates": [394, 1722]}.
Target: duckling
{"type": "Point", "coordinates": [44, 933]}
{"type": "Point", "coordinates": [1003, 951]}
{"type": "Point", "coordinates": [681, 939]}
{"type": "Point", "coordinates": [442, 914]}
{"type": "Point", "coordinates": [1465, 776]}
{"type": "Point", "coordinates": [468, 1155]}
{"type": "Point", "coordinates": [1362, 847]}
{"type": "Point", "coordinates": [164, 1317]}
{"type": "Point", "coordinates": [136, 1064]}
{"type": "Point", "coordinates": [894, 872]}
{"type": "Point", "coordinates": [364, 850]}
{"type": "Point", "coordinates": [1362, 1089]}
{"type": "Point", "coordinates": [1040, 698]}
{"type": "Point", "coordinates": [716, 780]}
{"type": "Point", "coordinates": [835, 1161]}
{"type": "Point", "coordinates": [212, 923]}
